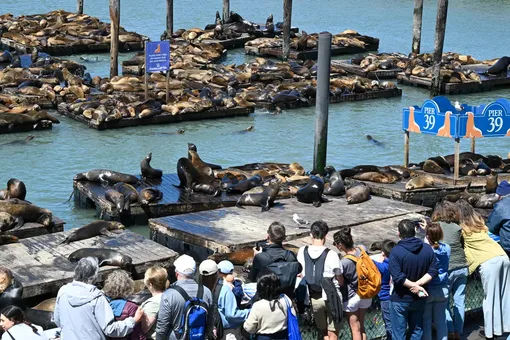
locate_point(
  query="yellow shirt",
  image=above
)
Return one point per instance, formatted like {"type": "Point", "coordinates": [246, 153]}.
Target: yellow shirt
{"type": "Point", "coordinates": [479, 247]}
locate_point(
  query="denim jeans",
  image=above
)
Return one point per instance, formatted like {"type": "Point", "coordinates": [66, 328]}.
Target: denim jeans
{"type": "Point", "coordinates": [404, 314]}
{"type": "Point", "coordinates": [385, 309]}
{"type": "Point", "coordinates": [435, 310]}
{"type": "Point", "coordinates": [457, 280]}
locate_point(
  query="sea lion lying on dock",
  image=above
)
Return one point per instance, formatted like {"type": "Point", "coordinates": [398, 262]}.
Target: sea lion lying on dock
{"type": "Point", "coordinates": [149, 195]}
{"type": "Point", "coordinates": [106, 177]}
{"type": "Point", "coordinates": [335, 184]}
{"type": "Point", "coordinates": [25, 212]}
{"type": "Point", "coordinates": [105, 257]}
{"type": "Point", "coordinates": [357, 193]}
{"type": "Point", "coordinates": [242, 255]}
{"type": "Point", "coordinates": [15, 189]}
{"type": "Point", "coordinates": [7, 222]}
{"type": "Point", "coordinates": [192, 180]}
{"type": "Point", "coordinates": [265, 199]}
{"type": "Point", "coordinates": [92, 229]}
{"type": "Point", "coordinates": [6, 239]}
{"type": "Point", "coordinates": [312, 192]}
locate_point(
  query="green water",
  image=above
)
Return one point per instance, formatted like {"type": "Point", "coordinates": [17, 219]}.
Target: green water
{"type": "Point", "coordinates": [49, 162]}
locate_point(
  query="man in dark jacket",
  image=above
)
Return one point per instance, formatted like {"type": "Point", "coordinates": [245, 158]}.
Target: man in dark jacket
{"type": "Point", "coordinates": [412, 265]}
{"type": "Point", "coordinates": [499, 219]}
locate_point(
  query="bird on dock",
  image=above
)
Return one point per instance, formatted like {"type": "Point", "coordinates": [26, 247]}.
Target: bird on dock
{"type": "Point", "coordinates": [458, 107]}
{"type": "Point", "coordinates": [299, 220]}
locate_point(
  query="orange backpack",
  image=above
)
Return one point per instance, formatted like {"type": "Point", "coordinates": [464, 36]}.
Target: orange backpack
{"type": "Point", "coordinates": [369, 277]}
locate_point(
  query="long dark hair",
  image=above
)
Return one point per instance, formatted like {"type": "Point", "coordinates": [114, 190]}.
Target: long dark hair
{"type": "Point", "coordinates": [268, 288]}
{"type": "Point", "coordinates": [16, 315]}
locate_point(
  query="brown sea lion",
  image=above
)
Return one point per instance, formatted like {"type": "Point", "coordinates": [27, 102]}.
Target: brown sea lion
{"type": "Point", "coordinates": [27, 213]}
{"type": "Point", "coordinates": [420, 182]}
{"type": "Point", "coordinates": [240, 256]}
{"type": "Point", "coordinates": [358, 193]}
{"type": "Point", "coordinates": [116, 198]}
{"type": "Point", "coordinates": [6, 239]}
{"type": "Point", "coordinates": [92, 229]}
{"type": "Point", "coordinates": [377, 177]}
{"type": "Point", "coordinates": [47, 305]}
{"type": "Point", "coordinates": [7, 222]}
{"type": "Point", "coordinates": [492, 183]}
{"type": "Point", "coordinates": [147, 170]}
{"type": "Point", "coordinates": [436, 165]}
{"type": "Point", "coordinates": [16, 189]}
{"type": "Point", "coordinates": [149, 195]}
{"type": "Point", "coordinates": [265, 199]}
{"type": "Point", "coordinates": [105, 257]}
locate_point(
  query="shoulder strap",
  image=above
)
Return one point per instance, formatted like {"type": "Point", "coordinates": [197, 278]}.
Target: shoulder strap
{"type": "Point", "coordinates": [351, 257]}
{"type": "Point", "coordinates": [217, 290]}
{"type": "Point", "coordinates": [10, 335]}
{"type": "Point", "coordinates": [200, 291]}
{"type": "Point", "coordinates": [181, 291]}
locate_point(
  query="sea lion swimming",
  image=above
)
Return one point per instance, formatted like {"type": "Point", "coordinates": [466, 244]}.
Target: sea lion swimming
{"type": "Point", "coordinates": [312, 192]}
{"type": "Point", "coordinates": [92, 229]}
{"type": "Point", "coordinates": [147, 170]}
{"type": "Point", "coordinates": [21, 141]}
{"type": "Point", "coordinates": [106, 177]}
{"type": "Point", "coordinates": [357, 193]}
{"type": "Point", "coordinates": [265, 199]}
{"type": "Point", "coordinates": [373, 141]}
{"type": "Point", "coordinates": [105, 257]}
{"type": "Point", "coordinates": [336, 184]}
{"type": "Point", "coordinates": [116, 198]}
{"type": "Point", "coordinates": [248, 129]}
{"type": "Point", "coordinates": [178, 132]}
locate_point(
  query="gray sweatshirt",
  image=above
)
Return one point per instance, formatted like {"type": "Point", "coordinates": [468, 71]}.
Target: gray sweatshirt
{"type": "Point", "coordinates": [82, 312]}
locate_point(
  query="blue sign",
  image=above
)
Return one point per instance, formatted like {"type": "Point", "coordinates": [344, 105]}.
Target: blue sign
{"type": "Point", "coordinates": [26, 60]}
{"type": "Point", "coordinates": [157, 56]}
{"type": "Point", "coordinates": [436, 117]}
{"type": "Point", "coordinates": [491, 120]}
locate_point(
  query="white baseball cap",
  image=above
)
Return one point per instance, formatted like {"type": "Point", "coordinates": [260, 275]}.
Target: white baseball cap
{"type": "Point", "coordinates": [185, 265]}
{"type": "Point", "coordinates": [207, 267]}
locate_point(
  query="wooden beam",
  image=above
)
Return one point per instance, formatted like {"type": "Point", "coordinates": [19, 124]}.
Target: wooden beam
{"type": "Point", "coordinates": [442, 9]}
{"type": "Point", "coordinates": [114, 34]}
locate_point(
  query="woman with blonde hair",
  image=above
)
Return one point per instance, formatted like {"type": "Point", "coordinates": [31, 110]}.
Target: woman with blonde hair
{"type": "Point", "coordinates": [485, 254]}
{"type": "Point", "coordinates": [155, 280]}
{"type": "Point", "coordinates": [117, 287]}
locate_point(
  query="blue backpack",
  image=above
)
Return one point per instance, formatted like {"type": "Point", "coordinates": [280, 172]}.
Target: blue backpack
{"type": "Point", "coordinates": [194, 318]}
{"type": "Point", "coordinates": [292, 323]}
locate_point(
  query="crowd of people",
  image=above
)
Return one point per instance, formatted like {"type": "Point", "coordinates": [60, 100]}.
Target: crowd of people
{"type": "Point", "coordinates": [414, 280]}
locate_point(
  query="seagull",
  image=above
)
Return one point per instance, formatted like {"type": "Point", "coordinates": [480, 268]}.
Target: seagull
{"type": "Point", "coordinates": [298, 219]}
{"type": "Point", "coordinates": [458, 107]}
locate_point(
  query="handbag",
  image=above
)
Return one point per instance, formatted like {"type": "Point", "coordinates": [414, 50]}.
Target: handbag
{"type": "Point", "coordinates": [292, 322]}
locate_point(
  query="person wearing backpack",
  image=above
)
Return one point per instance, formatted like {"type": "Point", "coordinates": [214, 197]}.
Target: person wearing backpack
{"type": "Point", "coordinates": [232, 317]}
{"type": "Point", "coordinates": [184, 305]}
{"type": "Point", "coordinates": [319, 263]}
{"type": "Point", "coordinates": [362, 281]}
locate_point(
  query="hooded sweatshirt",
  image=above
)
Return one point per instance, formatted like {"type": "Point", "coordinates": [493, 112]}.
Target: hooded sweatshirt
{"type": "Point", "coordinates": [499, 222]}
{"type": "Point", "coordinates": [410, 259]}
{"type": "Point", "coordinates": [82, 312]}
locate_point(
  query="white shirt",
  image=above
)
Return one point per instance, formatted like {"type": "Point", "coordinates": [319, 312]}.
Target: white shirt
{"type": "Point", "coordinates": [22, 331]}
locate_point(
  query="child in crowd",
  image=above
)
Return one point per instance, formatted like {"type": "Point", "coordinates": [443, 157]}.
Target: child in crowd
{"type": "Point", "coordinates": [384, 294]}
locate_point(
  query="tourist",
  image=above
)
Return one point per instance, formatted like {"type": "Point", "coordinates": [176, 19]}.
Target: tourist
{"type": "Point", "coordinates": [485, 254]}
{"type": "Point", "coordinates": [11, 290]}
{"type": "Point", "coordinates": [318, 256]}
{"type": "Point", "coordinates": [384, 294]}
{"type": "Point", "coordinates": [16, 327]}
{"type": "Point", "coordinates": [447, 214]}
{"type": "Point", "coordinates": [208, 271]}
{"type": "Point", "coordinates": [155, 279]}
{"type": "Point", "coordinates": [231, 316]}
{"type": "Point", "coordinates": [168, 324]}
{"type": "Point", "coordinates": [499, 219]}
{"type": "Point", "coordinates": [412, 265]}
{"type": "Point", "coordinates": [83, 312]}
{"type": "Point", "coordinates": [268, 317]}
{"type": "Point", "coordinates": [353, 305]}
{"type": "Point", "coordinates": [117, 287]}
{"type": "Point", "coordinates": [435, 308]}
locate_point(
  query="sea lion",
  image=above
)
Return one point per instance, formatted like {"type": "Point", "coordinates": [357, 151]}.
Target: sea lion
{"type": "Point", "coordinates": [358, 193]}
{"type": "Point", "coordinates": [228, 179]}
{"type": "Point", "coordinates": [42, 318]}
{"type": "Point", "coordinates": [376, 177]}
{"type": "Point", "coordinates": [242, 186]}
{"type": "Point", "coordinates": [116, 198]}
{"type": "Point", "coordinates": [450, 159]}
{"type": "Point", "coordinates": [191, 179]}
{"type": "Point", "coordinates": [436, 165]}
{"type": "Point", "coordinates": [486, 201]}
{"type": "Point", "coordinates": [420, 182]}
{"type": "Point", "coordinates": [312, 192]}
{"type": "Point", "coordinates": [21, 141]}
{"type": "Point", "coordinates": [178, 132]}
{"type": "Point", "coordinates": [106, 177]}
{"type": "Point", "coordinates": [15, 189]}
{"type": "Point", "coordinates": [265, 199]}
{"type": "Point", "coordinates": [373, 141]}
{"type": "Point", "coordinates": [466, 167]}
{"type": "Point", "coordinates": [92, 229]}
{"type": "Point", "coordinates": [492, 183]}
{"type": "Point", "coordinates": [248, 129]}
{"type": "Point", "coordinates": [140, 297]}
{"type": "Point", "coordinates": [193, 147]}
{"type": "Point", "coordinates": [494, 161]}
{"type": "Point", "coordinates": [402, 171]}
{"type": "Point", "coordinates": [129, 192]}
{"type": "Point", "coordinates": [335, 185]}
{"type": "Point", "coordinates": [7, 222]}
{"type": "Point", "coordinates": [47, 305]}
{"type": "Point", "coordinates": [501, 66]}
{"type": "Point", "coordinates": [149, 195]}
{"type": "Point", "coordinates": [27, 213]}
{"type": "Point", "coordinates": [105, 257]}
{"type": "Point", "coordinates": [6, 239]}
{"type": "Point", "coordinates": [147, 170]}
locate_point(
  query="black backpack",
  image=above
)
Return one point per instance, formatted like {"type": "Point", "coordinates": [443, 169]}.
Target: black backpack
{"type": "Point", "coordinates": [216, 327]}
{"type": "Point", "coordinates": [314, 269]}
{"type": "Point", "coordinates": [286, 271]}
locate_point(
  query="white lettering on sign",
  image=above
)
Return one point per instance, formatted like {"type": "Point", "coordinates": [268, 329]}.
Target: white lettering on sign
{"type": "Point", "coordinates": [495, 123]}
{"type": "Point", "coordinates": [430, 121]}
{"type": "Point", "coordinates": [429, 110]}
{"type": "Point", "coordinates": [495, 113]}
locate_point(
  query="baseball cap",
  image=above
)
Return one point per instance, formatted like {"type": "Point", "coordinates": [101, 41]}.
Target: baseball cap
{"type": "Point", "coordinates": [503, 188]}
{"type": "Point", "coordinates": [225, 267]}
{"type": "Point", "coordinates": [207, 267]}
{"type": "Point", "coordinates": [185, 265]}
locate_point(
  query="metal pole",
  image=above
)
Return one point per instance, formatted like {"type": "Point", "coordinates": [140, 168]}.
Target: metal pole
{"type": "Point", "coordinates": [322, 103]}
{"type": "Point", "coordinates": [167, 86]}
{"type": "Point", "coordinates": [287, 16]}
{"type": "Point", "coordinates": [473, 145]}
{"type": "Point", "coordinates": [146, 78]}
{"type": "Point", "coordinates": [80, 7]}
{"type": "Point", "coordinates": [169, 18]}
{"type": "Point", "coordinates": [114, 34]}
{"type": "Point", "coordinates": [456, 161]}
{"type": "Point", "coordinates": [417, 21]}
{"type": "Point", "coordinates": [226, 10]}
{"type": "Point", "coordinates": [406, 149]}
{"type": "Point", "coordinates": [442, 9]}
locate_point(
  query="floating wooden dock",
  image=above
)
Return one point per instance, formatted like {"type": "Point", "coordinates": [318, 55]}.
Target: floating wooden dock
{"type": "Point", "coordinates": [488, 83]}
{"type": "Point", "coordinates": [232, 43]}
{"type": "Point", "coordinates": [36, 229]}
{"type": "Point", "coordinates": [175, 201]}
{"type": "Point", "coordinates": [308, 54]}
{"type": "Point", "coordinates": [476, 181]}
{"type": "Point", "coordinates": [162, 118]}
{"type": "Point", "coordinates": [347, 66]}
{"type": "Point", "coordinates": [225, 230]}
{"type": "Point", "coordinates": [40, 263]}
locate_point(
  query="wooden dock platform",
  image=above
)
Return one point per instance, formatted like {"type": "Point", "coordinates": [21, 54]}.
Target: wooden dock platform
{"type": "Point", "coordinates": [347, 66]}
{"type": "Point", "coordinates": [40, 263]}
{"type": "Point", "coordinates": [232, 43]}
{"type": "Point", "coordinates": [162, 118]}
{"type": "Point", "coordinates": [175, 201]}
{"type": "Point", "coordinates": [225, 230]}
{"type": "Point", "coordinates": [42, 125]}
{"type": "Point", "coordinates": [308, 54]}
{"type": "Point", "coordinates": [36, 229]}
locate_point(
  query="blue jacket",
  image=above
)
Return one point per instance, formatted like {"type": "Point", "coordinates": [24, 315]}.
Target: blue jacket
{"type": "Point", "coordinates": [499, 222]}
{"type": "Point", "coordinates": [383, 267]}
{"type": "Point", "coordinates": [231, 315]}
{"type": "Point", "coordinates": [443, 262]}
{"type": "Point", "coordinates": [410, 259]}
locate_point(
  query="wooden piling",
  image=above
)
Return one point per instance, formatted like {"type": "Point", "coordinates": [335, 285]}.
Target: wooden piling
{"type": "Point", "coordinates": [442, 9]}
{"type": "Point", "coordinates": [287, 16]}
{"type": "Point", "coordinates": [473, 145]}
{"type": "Point", "coordinates": [226, 10]}
{"type": "Point", "coordinates": [456, 161]}
{"type": "Point", "coordinates": [114, 34]}
{"type": "Point", "coordinates": [406, 149]}
{"type": "Point", "coordinates": [79, 6]}
{"type": "Point", "coordinates": [169, 18]}
{"type": "Point", "coordinates": [417, 23]}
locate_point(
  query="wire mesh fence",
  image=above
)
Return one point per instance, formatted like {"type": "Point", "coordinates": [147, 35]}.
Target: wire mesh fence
{"type": "Point", "coordinates": [374, 323]}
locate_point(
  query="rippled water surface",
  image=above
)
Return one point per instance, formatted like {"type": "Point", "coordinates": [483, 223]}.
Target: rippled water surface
{"type": "Point", "coordinates": [49, 162]}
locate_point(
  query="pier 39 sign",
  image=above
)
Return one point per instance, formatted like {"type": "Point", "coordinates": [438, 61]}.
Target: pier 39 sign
{"type": "Point", "coordinates": [439, 117]}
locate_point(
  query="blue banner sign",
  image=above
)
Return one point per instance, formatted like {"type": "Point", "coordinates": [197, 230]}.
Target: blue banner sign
{"type": "Point", "coordinates": [491, 120]}
{"type": "Point", "coordinates": [436, 117]}
{"type": "Point", "coordinates": [157, 56]}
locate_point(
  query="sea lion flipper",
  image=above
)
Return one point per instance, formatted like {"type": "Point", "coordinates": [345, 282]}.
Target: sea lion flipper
{"type": "Point", "coordinates": [105, 232]}
{"type": "Point", "coordinates": [238, 205]}
{"type": "Point", "coordinates": [317, 204]}
{"type": "Point", "coordinates": [324, 199]}
{"type": "Point", "coordinates": [19, 222]}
